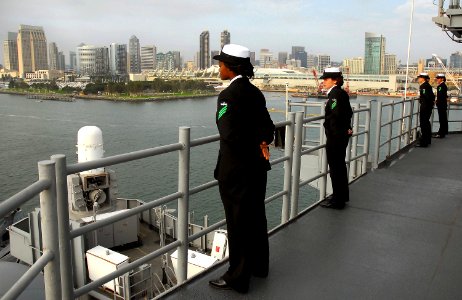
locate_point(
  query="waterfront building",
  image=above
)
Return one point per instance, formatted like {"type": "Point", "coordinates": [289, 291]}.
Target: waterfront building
{"type": "Point", "coordinates": [323, 62]}
{"type": "Point", "coordinates": [355, 65]}
{"type": "Point", "coordinates": [311, 61]}
{"type": "Point", "coordinates": [118, 59]}
{"type": "Point", "coordinates": [61, 61]}
{"type": "Point", "coordinates": [225, 38]}
{"type": "Point", "coordinates": [177, 59]}
{"type": "Point", "coordinates": [165, 61]}
{"type": "Point", "coordinates": [204, 50]}
{"type": "Point", "coordinates": [213, 53]}
{"type": "Point", "coordinates": [299, 53]}
{"type": "Point", "coordinates": [32, 49]}
{"type": "Point", "coordinates": [53, 56]}
{"type": "Point", "coordinates": [374, 54]}
{"type": "Point", "coordinates": [282, 59]}
{"type": "Point", "coordinates": [134, 55]}
{"type": "Point", "coordinates": [293, 63]}
{"type": "Point", "coordinates": [10, 52]}
{"type": "Point", "coordinates": [72, 60]}
{"type": "Point", "coordinates": [390, 65]}
{"type": "Point", "coordinates": [455, 60]}
{"type": "Point", "coordinates": [92, 60]}
{"type": "Point", "coordinates": [266, 59]}
{"type": "Point", "coordinates": [44, 75]}
{"type": "Point", "coordinates": [433, 62]}
{"type": "Point", "coordinates": [148, 58]}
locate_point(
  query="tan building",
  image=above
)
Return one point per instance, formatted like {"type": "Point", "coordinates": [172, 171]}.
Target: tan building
{"type": "Point", "coordinates": [32, 49]}
{"type": "Point", "coordinates": [10, 52]}
{"type": "Point", "coordinates": [44, 75]}
{"type": "Point", "coordinates": [391, 64]}
{"type": "Point", "coordinates": [355, 65]}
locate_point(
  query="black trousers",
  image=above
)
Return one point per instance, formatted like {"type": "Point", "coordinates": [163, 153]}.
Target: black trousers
{"type": "Point", "coordinates": [336, 150]}
{"type": "Point", "coordinates": [443, 119]}
{"type": "Point", "coordinates": [425, 126]}
{"type": "Point", "coordinates": [244, 203]}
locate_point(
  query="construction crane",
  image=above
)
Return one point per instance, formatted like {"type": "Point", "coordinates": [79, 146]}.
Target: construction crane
{"type": "Point", "coordinates": [318, 85]}
{"type": "Point", "coordinates": [448, 73]}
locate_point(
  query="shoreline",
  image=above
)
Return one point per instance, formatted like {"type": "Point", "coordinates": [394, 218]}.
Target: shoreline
{"type": "Point", "coordinates": [109, 98]}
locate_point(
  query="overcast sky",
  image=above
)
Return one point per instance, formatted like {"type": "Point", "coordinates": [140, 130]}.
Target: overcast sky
{"type": "Point", "coordinates": [335, 27]}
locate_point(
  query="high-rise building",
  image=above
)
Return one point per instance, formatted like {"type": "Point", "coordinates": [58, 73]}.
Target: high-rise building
{"type": "Point", "coordinates": [72, 60]}
{"type": "Point", "coordinates": [225, 38]}
{"type": "Point", "coordinates": [32, 49]}
{"type": "Point", "coordinates": [204, 50]}
{"type": "Point", "coordinates": [118, 59]}
{"type": "Point", "coordinates": [134, 55]}
{"type": "Point", "coordinates": [61, 61]}
{"type": "Point", "coordinates": [312, 61]}
{"type": "Point", "coordinates": [177, 59]}
{"type": "Point", "coordinates": [282, 58]}
{"type": "Point", "coordinates": [355, 65]}
{"type": "Point", "coordinates": [323, 62]}
{"type": "Point", "coordinates": [455, 60]}
{"type": "Point", "coordinates": [92, 60]}
{"type": "Point", "coordinates": [165, 61]}
{"type": "Point", "coordinates": [52, 56]}
{"type": "Point", "coordinates": [374, 55]}
{"type": "Point", "coordinates": [10, 52]}
{"type": "Point", "coordinates": [299, 53]}
{"type": "Point", "coordinates": [252, 58]}
{"type": "Point", "coordinates": [266, 59]}
{"type": "Point", "coordinates": [148, 58]}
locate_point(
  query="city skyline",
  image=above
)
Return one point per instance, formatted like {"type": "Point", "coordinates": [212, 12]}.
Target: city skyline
{"type": "Point", "coordinates": [336, 29]}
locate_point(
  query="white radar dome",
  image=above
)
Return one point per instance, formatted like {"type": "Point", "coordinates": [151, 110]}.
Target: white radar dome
{"type": "Point", "coordinates": [90, 146]}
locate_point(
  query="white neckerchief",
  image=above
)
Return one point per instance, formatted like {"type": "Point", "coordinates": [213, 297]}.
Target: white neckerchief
{"type": "Point", "coordinates": [238, 76]}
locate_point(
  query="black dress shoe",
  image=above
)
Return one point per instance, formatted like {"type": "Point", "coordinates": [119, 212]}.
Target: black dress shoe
{"type": "Point", "coordinates": [333, 204]}
{"type": "Point", "coordinates": [422, 145]}
{"type": "Point", "coordinates": [219, 284]}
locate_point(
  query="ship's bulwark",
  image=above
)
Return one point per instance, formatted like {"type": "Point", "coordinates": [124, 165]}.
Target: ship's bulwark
{"type": "Point", "coordinates": [399, 238]}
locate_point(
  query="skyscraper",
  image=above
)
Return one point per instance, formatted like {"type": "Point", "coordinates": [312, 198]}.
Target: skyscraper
{"type": "Point", "coordinates": [10, 52]}
{"type": "Point", "coordinates": [391, 64]}
{"type": "Point", "coordinates": [148, 58]}
{"type": "Point", "coordinates": [61, 61]}
{"type": "Point", "coordinates": [72, 60]}
{"type": "Point", "coordinates": [225, 38]}
{"type": "Point", "coordinates": [204, 50]}
{"type": "Point", "coordinates": [355, 65]}
{"type": "Point", "coordinates": [53, 56]}
{"type": "Point", "coordinates": [32, 49]}
{"type": "Point", "coordinates": [299, 53]}
{"type": "Point", "coordinates": [282, 58]}
{"type": "Point", "coordinates": [134, 55]}
{"type": "Point", "coordinates": [118, 59]}
{"type": "Point", "coordinates": [374, 57]}
{"type": "Point", "coordinates": [455, 60]}
{"type": "Point", "coordinates": [323, 62]}
{"type": "Point", "coordinates": [93, 61]}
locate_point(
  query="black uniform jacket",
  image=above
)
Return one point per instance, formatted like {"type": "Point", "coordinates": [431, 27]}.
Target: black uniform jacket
{"type": "Point", "coordinates": [442, 95]}
{"type": "Point", "coordinates": [427, 97]}
{"type": "Point", "coordinates": [338, 113]}
{"type": "Point", "coordinates": [243, 123]}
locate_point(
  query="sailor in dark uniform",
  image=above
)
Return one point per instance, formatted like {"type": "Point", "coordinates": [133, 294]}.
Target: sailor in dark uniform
{"type": "Point", "coordinates": [246, 130]}
{"type": "Point", "coordinates": [337, 124]}
{"type": "Point", "coordinates": [442, 105]}
{"type": "Point", "coordinates": [426, 100]}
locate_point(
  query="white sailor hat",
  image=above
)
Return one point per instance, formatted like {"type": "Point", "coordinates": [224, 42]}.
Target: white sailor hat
{"type": "Point", "coordinates": [234, 54]}
{"type": "Point", "coordinates": [331, 73]}
{"type": "Point", "coordinates": [440, 75]}
{"type": "Point", "coordinates": [423, 75]}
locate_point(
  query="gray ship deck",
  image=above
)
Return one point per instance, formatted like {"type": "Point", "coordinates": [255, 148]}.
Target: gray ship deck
{"type": "Point", "coordinates": [399, 238]}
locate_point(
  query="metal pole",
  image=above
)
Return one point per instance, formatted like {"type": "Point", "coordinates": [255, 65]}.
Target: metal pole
{"type": "Point", "coordinates": [408, 49]}
{"type": "Point", "coordinates": [67, 285]}
{"type": "Point", "coordinates": [402, 127]}
{"type": "Point", "coordinates": [411, 117]}
{"type": "Point", "coordinates": [296, 164]}
{"type": "Point", "coordinates": [49, 224]}
{"type": "Point", "coordinates": [183, 202]}
{"type": "Point", "coordinates": [367, 124]}
{"type": "Point", "coordinates": [287, 100]}
{"type": "Point", "coordinates": [390, 126]}
{"type": "Point", "coordinates": [378, 130]}
{"type": "Point", "coordinates": [288, 151]}
{"type": "Point", "coordinates": [354, 142]}
{"type": "Point", "coordinates": [323, 156]}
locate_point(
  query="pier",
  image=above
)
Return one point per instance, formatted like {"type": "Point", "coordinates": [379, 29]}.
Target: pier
{"type": "Point", "coordinates": [400, 237]}
{"type": "Point", "coordinates": [50, 97]}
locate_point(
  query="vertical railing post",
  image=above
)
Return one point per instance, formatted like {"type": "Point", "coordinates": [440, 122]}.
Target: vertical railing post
{"type": "Point", "coordinates": [288, 152]}
{"type": "Point", "coordinates": [183, 203]}
{"type": "Point", "coordinates": [296, 164]}
{"type": "Point", "coordinates": [390, 126]}
{"type": "Point", "coordinates": [411, 118]}
{"type": "Point", "coordinates": [367, 124]}
{"type": "Point", "coordinates": [402, 124]}
{"type": "Point", "coordinates": [323, 156]}
{"type": "Point", "coordinates": [49, 225]}
{"type": "Point", "coordinates": [354, 142]}
{"type": "Point", "coordinates": [378, 130]}
{"type": "Point", "coordinates": [409, 124]}
{"type": "Point", "coordinates": [67, 285]}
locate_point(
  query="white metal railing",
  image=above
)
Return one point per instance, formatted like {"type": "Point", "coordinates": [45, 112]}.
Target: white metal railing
{"type": "Point", "coordinates": [52, 186]}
